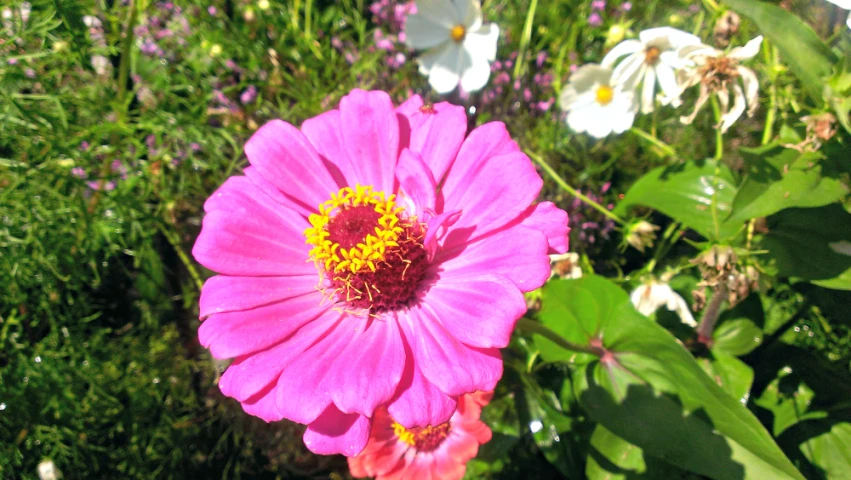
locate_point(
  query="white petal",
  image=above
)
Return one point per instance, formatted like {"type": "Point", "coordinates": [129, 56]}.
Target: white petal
{"type": "Point", "coordinates": [475, 71]}
{"type": "Point", "coordinates": [748, 51]}
{"type": "Point", "coordinates": [626, 47]}
{"type": "Point", "coordinates": [467, 13]}
{"type": "Point", "coordinates": [680, 307]}
{"type": "Point", "coordinates": [668, 83]}
{"type": "Point", "coordinates": [422, 32]}
{"type": "Point", "coordinates": [589, 76]}
{"type": "Point", "coordinates": [576, 120]}
{"type": "Point", "coordinates": [482, 42]}
{"type": "Point", "coordinates": [704, 96]}
{"type": "Point", "coordinates": [737, 111]}
{"type": "Point", "coordinates": [573, 100]}
{"type": "Point", "coordinates": [751, 85]}
{"type": "Point", "coordinates": [629, 72]}
{"type": "Point", "coordinates": [849, 21]}
{"type": "Point", "coordinates": [846, 4]}
{"type": "Point", "coordinates": [647, 90]}
{"type": "Point", "coordinates": [440, 12]}
{"type": "Point", "coordinates": [667, 38]}
{"type": "Point", "coordinates": [442, 66]}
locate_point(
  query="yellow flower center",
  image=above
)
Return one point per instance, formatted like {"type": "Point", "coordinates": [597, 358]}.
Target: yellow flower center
{"type": "Point", "coordinates": [458, 33]}
{"type": "Point", "coordinates": [605, 94]}
{"type": "Point", "coordinates": [367, 224]}
{"type": "Point", "coordinates": [424, 439]}
{"type": "Point", "coordinates": [651, 55]}
{"type": "Point", "coordinates": [371, 253]}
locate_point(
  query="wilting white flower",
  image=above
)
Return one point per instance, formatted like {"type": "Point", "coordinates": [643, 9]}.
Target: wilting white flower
{"type": "Point", "coordinates": [651, 59]}
{"type": "Point", "coordinates": [718, 73]}
{"type": "Point", "coordinates": [459, 48]}
{"type": "Point", "coordinates": [101, 65]}
{"type": "Point", "coordinates": [846, 4]}
{"type": "Point", "coordinates": [47, 471]}
{"type": "Point", "coordinates": [594, 104]}
{"type": "Point", "coordinates": [565, 265]}
{"type": "Point", "coordinates": [653, 294]}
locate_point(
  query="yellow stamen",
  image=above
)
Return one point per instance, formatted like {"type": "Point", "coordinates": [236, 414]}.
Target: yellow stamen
{"type": "Point", "coordinates": [651, 55]}
{"type": "Point", "coordinates": [458, 33]}
{"type": "Point", "coordinates": [605, 94]}
{"type": "Point", "coordinates": [403, 434]}
{"type": "Point", "coordinates": [365, 254]}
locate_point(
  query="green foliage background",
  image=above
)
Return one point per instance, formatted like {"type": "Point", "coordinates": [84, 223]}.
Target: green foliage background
{"type": "Point", "coordinates": [100, 368]}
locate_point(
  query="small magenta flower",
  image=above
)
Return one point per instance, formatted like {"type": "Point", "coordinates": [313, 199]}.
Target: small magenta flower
{"type": "Point", "coordinates": [440, 451]}
{"type": "Point", "coordinates": [348, 280]}
{"type": "Point", "coordinates": [595, 20]}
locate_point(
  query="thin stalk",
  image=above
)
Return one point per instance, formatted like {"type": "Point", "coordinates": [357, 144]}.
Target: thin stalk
{"type": "Point", "coordinates": [308, 9]}
{"type": "Point", "coordinates": [555, 176]}
{"type": "Point", "coordinates": [664, 246]}
{"type": "Point", "coordinates": [174, 241]}
{"type": "Point", "coordinates": [667, 149]}
{"type": "Point", "coordinates": [525, 38]}
{"type": "Point", "coordinates": [719, 136]}
{"type": "Point", "coordinates": [537, 328]}
{"type": "Point", "coordinates": [710, 316]}
{"type": "Point", "coordinates": [771, 61]}
{"type": "Point", "coordinates": [124, 62]}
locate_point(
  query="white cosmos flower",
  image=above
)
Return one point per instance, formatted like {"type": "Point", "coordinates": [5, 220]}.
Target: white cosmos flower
{"type": "Point", "coordinates": [594, 104]}
{"type": "Point", "coordinates": [654, 294]}
{"type": "Point", "coordinates": [846, 4]}
{"type": "Point", "coordinates": [718, 73]}
{"type": "Point", "coordinates": [459, 48]}
{"type": "Point", "coordinates": [650, 59]}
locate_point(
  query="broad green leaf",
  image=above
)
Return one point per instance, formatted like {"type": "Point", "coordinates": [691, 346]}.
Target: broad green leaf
{"type": "Point", "coordinates": [812, 244]}
{"type": "Point", "coordinates": [780, 178]}
{"type": "Point", "coordinates": [698, 195]}
{"type": "Point", "coordinates": [808, 401]}
{"type": "Point", "coordinates": [613, 458]}
{"type": "Point", "coordinates": [739, 330]}
{"type": "Point", "coordinates": [803, 51]}
{"type": "Point", "coordinates": [730, 373]}
{"type": "Point", "coordinates": [647, 389]}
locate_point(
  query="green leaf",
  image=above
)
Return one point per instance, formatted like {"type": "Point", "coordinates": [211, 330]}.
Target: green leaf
{"type": "Point", "coordinates": [738, 333]}
{"type": "Point", "coordinates": [808, 399]}
{"type": "Point", "coordinates": [803, 51]}
{"type": "Point", "coordinates": [780, 178]}
{"type": "Point", "coordinates": [687, 193]}
{"type": "Point", "coordinates": [613, 458]}
{"type": "Point", "coordinates": [730, 373]}
{"type": "Point", "coordinates": [647, 389]}
{"type": "Point", "coordinates": [812, 244]}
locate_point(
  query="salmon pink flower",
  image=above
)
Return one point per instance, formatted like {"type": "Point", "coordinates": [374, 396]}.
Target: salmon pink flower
{"type": "Point", "coordinates": [442, 451]}
{"type": "Point", "coordinates": [373, 257]}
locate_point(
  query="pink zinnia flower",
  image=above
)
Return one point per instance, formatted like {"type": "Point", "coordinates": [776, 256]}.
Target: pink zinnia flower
{"type": "Point", "coordinates": [442, 451]}
{"type": "Point", "coordinates": [374, 256]}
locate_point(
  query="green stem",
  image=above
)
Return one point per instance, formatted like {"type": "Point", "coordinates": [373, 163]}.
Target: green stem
{"type": "Point", "coordinates": [308, 9]}
{"type": "Point", "coordinates": [531, 326]}
{"type": "Point", "coordinates": [174, 241]}
{"type": "Point", "coordinates": [555, 176]}
{"type": "Point", "coordinates": [771, 61]}
{"type": "Point", "coordinates": [124, 62]}
{"type": "Point", "coordinates": [666, 149]}
{"type": "Point", "coordinates": [719, 136]}
{"type": "Point", "coordinates": [664, 246]}
{"type": "Point", "coordinates": [525, 38]}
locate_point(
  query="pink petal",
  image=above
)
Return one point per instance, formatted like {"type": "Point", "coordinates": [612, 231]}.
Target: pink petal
{"type": "Point", "coordinates": [250, 374]}
{"type": "Point", "coordinates": [337, 432]}
{"type": "Point", "coordinates": [416, 182]}
{"type": "Point", "coordinates": [551, 220]}
{"type": "Point", "coordinates": [418, 402]}
{"type": "Point", "coordinates": [491, 192]}
{"type": "Point", "coordinates": [235, 237]}
{"type": "Point", "coordinates": [270, 191]}
{"type": "Point", "coordinates": [480, 311]}
{"type": "Point", "coordinates": [438, 227]}
{"type": "Point", "coordinates": [223, 293]}
{"type": "Point", "coordinates": [366, 373]}
{"type": "Point", "coordinates": [450, 365]}
{"type": "Point", "coordinates": [484, 142]}
{"type": "Point", "coordinates": [263, 405]}
{"type": "Point", "coordinates": [371, 137]}
{"type": "Point", "coordinates": [518, 253]}
{"type": "Point", "coordinates": [325, 134]}
{"type": "Point", "coordinates": [285, 157]}
{"type": "Point", "coordinates": [241, 332]}
{"type": "Point", "coordinates": [302, 394]}
{"type": "Point", "coordinates": [436, 133]}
